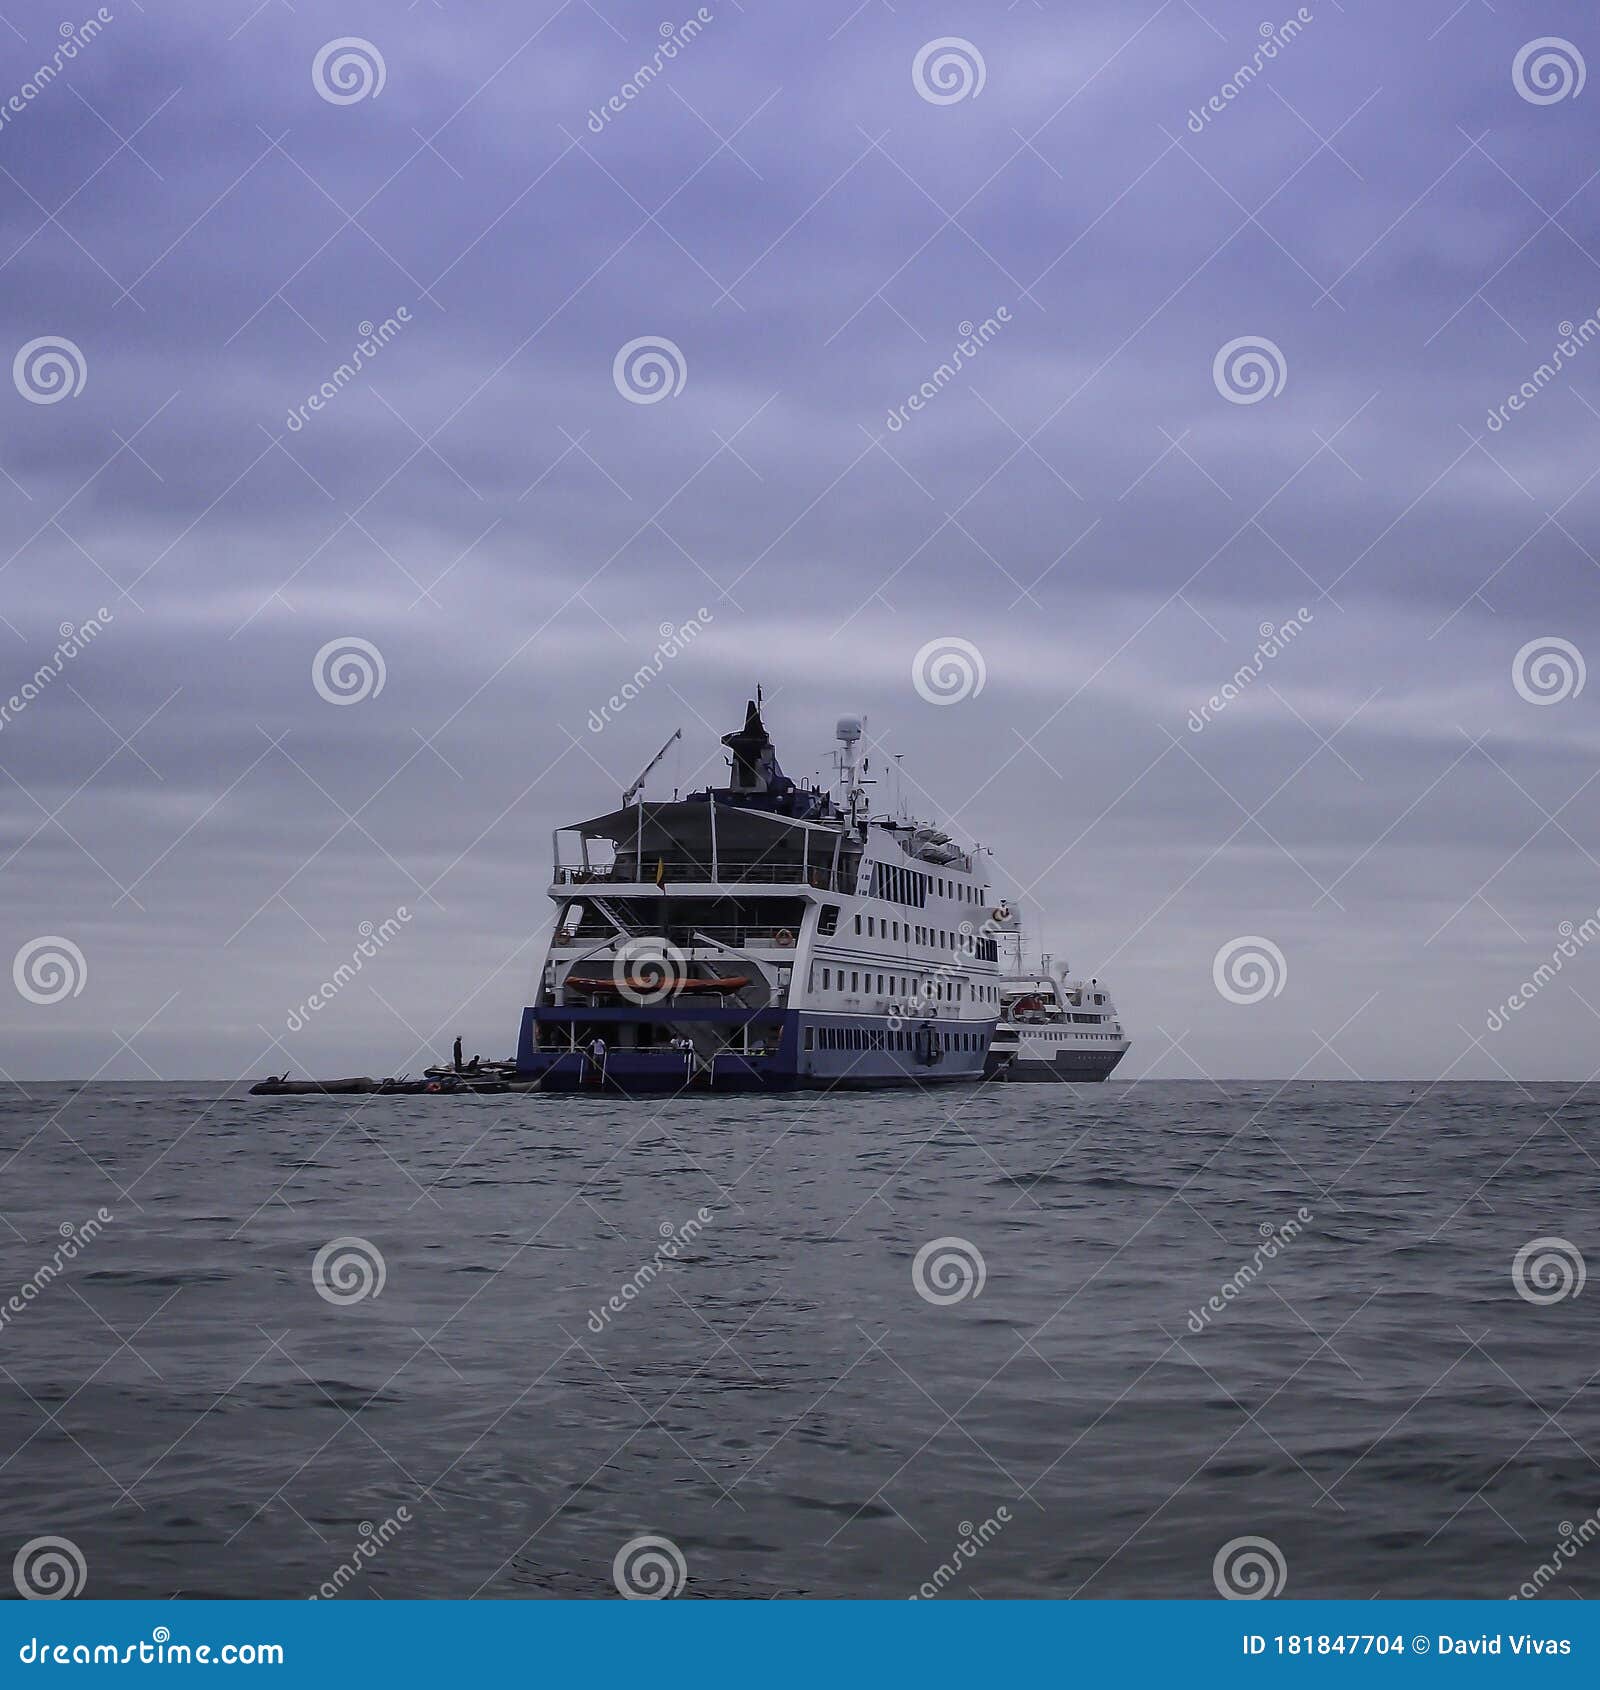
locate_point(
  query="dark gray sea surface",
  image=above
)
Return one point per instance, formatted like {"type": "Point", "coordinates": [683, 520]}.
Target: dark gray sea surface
{"type": "Point", "coordinates": [704, 1320]}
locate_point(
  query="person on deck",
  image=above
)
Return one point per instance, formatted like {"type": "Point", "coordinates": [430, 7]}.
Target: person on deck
{"type": "Point", "coordinates": [458, 1053]}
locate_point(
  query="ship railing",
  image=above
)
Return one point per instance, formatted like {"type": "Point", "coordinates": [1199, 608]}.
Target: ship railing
{"type": "Point", "coordinates": [697, 873]}
{"type": "Point", "coordinates": [769, 935]}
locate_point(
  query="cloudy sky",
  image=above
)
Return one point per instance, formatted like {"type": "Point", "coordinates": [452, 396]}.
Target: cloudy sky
{"type": "Point", "coordinates": [805, 213]}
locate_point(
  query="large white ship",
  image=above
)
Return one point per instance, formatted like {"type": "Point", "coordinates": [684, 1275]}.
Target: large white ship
{"type": "Point", "coordinates": [762, 935]}
{"type": "Point", "coordinates": [1052, 1026]}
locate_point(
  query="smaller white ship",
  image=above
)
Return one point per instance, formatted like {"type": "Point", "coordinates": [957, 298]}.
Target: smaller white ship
{"type": "Point", "coordinates": [1051, 1026]}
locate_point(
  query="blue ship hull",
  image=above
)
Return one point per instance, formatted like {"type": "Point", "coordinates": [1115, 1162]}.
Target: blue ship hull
{"type": "Point", "coordinates": [790, 1050]}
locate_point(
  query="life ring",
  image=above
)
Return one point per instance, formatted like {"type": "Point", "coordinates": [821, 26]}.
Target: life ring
{"type": "Point", "coordinates": [784, 939]}
{"type": "Point", "coordinates": [1000, 914]}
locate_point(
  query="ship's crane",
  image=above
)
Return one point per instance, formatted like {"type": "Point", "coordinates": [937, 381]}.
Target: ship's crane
{"type": "Point", "coordinates": [644, 774]}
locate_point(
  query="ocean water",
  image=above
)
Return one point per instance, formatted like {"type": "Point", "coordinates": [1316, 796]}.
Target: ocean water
{"type": "Point", "coordinates": [1381, 1394]}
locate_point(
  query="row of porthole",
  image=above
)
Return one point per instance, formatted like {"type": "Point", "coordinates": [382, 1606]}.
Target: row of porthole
{"type": "Point", "coordinates": [883, 1038]}
{"type": "Point", "coordinates": [902, 986]}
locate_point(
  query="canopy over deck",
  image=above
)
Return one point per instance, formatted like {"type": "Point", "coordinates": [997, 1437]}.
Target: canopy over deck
{"type": "Point", "coordinates": [694, 839]}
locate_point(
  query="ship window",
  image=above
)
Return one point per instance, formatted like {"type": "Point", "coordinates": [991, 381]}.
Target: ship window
{"type": "Point", "coordinates": [855, 981]}
{"type": "Point", "coordinates": [870, 933]}
{"type": "Point", "coordinates": [828, 921]}
{"type": "Point", "coordinates": [826, 980]}
{"type": "Point", "coordinates": [809, 1043]}
{"type": "Point", "coordinates": [858, 924]}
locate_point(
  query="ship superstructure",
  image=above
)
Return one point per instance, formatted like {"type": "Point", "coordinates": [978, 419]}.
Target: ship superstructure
{"type": "Point", "coordinates": [762, 935]}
